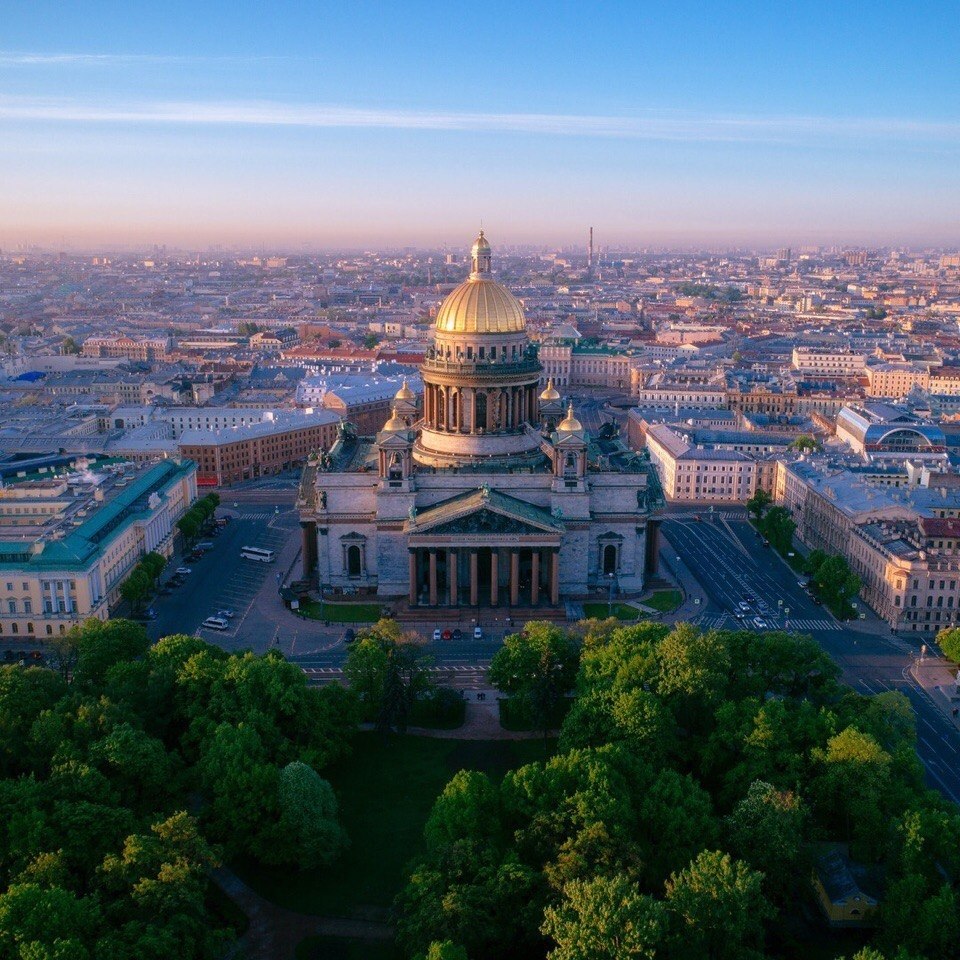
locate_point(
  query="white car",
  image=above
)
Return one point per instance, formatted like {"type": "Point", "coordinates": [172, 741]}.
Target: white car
{"type": "Point", "coordinates": [215, 623]}
{"type": "Point", "coordinates": [436, 634]}
{"type": "Point", "coordinates": [226, 614]}
{"type": "Point", "coordinates": [184, 571]}
{"type": "Point", "coordinates": [477, 633]}
{"type": "Point", "coordinates": [760, 623]}
{"type": "Point", "coordinates": [745, 607]}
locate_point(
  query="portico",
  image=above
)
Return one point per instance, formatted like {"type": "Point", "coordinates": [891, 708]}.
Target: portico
{"type": "Point", "coordinates": [484, 548]}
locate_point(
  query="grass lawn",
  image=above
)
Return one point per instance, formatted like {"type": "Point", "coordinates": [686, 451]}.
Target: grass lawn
{"type": "Point", "coordinates": [333, 948]}
{"type": "Point", "coordinates": [666, 601]}
{"type": "Point", "coordinates": [341, 612]}
{"type": "Point", "coordinates": [386, 789]}
{"type": "Point", "coordinates": [601, 611]}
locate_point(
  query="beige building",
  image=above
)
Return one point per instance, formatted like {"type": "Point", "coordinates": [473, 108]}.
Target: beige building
{"type": "Point", "coordinates": [67, 543]}
{"type": "Point", "coordinates": [157, 348]}
{"type": "Point", "coordinates": [895, 380]}
{"type": "Point", "coordinates": [827, 362]}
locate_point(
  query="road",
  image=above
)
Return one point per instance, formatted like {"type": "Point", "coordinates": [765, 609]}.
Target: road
{"type": "Point", "coordinates": [729, 562]}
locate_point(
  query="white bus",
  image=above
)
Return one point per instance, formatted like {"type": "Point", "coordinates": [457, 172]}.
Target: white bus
{"type": "Point", "coordinates": [258, 553]}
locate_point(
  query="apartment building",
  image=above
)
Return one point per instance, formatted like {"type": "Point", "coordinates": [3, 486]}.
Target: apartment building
{"type": "Point", "coordinates": [284, 440]}
{"type": "Point", "coordinates": [827, 362]}
{"type": "Point", "coordinates": [68, 542]}
{"type": "Point", "coordinates": [691, 473]}
{"type": "Point", "coordinates": [127, 348]}
{"type": "Point", "coordinates": [896, 380]}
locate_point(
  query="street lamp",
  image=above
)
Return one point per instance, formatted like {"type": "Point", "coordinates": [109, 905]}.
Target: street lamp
{"type": "Point", "coordinates": [786, 622]}
{"type": "Point", "coordinates": [613, 577]}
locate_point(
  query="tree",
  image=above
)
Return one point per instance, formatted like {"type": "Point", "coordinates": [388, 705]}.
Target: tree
{"type": "Point", "coordinates": [102, 644]}
{"type": "Point", "coordinates": [309, 833]}
{"type": "Point", "coordinates": [386, 669]}
{"type": "Point", "coordinates": [778, 527]}
{"type": "Point", "coordinates": [189, 526]}
{"type": "Point", "coordinates": [693, 672]}
{"type": "Point", "coordinates": [758, 503]}
{"type": "Point", "coordinates": [443, 950]}
{"type": "Point", "coordinates": [949, 641]}
{"type": "Point", "coordinates": [805, 443]}
{"type": "Point", "coordinates": [136, 588]}
{"type": "Point", "coordinates": [718, 908]}
{"type": "Point", "coordinates": [836, 583]}
{"type": "Point", "coordinates": [37, 923]}
{"type": "Point", "coordinates": [370, 341]}
{"type": "Point", "coordinates": [153, 563]}
{"type": "Point", "coordinates": [536, 667]}
{"type": "Point", "coordinates": [468, 809]}
{"type": "Point", "coordinates": [767, 830]}
{"type": "Point", "coordinates": [605, 919]}
{"type": "Point", "coordinates": [69, 346]}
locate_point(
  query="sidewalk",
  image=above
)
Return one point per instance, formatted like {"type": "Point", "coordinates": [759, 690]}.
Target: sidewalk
{"type": "Point", "coordinates": [671, 565]}
{"type": "Point", "coordinates": [939, 681]}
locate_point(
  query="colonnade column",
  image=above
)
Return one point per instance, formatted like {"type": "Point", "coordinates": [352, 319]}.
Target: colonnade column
{"type": "Point", "coordinates": [494, 577]}
{"type": "Point", "coordinates": [452, 558]}
{"type": "Point", "coordinates": [535, 576]}
{"type": "Point", "coordinates": [473, 578]}
{"type": "Point", "coordinates": [413, 578]}
{"type": "Point", "coordinates": [433, 578]}
{"type": "Point", "coordinates": [554, 577]}
{"type": "Point", "coordinates": [514, 577]}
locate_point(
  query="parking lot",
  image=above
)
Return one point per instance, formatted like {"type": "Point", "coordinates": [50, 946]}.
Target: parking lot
{"type": "Point", "coordinates": [221, 580]}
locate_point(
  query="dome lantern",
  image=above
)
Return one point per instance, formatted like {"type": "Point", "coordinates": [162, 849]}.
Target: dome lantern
{"type": "Point", "coordinates": [569, 424]}
{"type": "Point", "coordinates": [480, 257]}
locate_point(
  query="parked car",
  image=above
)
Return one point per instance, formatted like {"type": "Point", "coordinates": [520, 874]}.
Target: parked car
{"type": "Point", "coordinates": [760, 623]}
{"type": "Point", "coordinates": [8, 655]}
{"type": "Point", "coordinates": [446, 635]}
{"type": "Point", "coordinates": [204, 545]}
{"type": "Point", "coordinates": [183, 571]}
{"type": "Point", "coordinates": [226, 614]}
{"type": "Point", "coordinates": [349, 635]}
{"type": "Point", "coordinates": [457, 634]}
{"type": "Point", "coordinates": [436, 634]}
{"type": "Point", "coordinates": [36, 655]}
{"type": "Point", "coordinates": [744, 606]}
{"type": "Point", "coordinates": [215, 623]}
{"type": "Point", "coordinates": [477, 633]}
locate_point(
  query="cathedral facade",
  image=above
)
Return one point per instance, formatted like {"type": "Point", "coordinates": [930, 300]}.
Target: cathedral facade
{"type": "Point", "coordinates": [489, 493]}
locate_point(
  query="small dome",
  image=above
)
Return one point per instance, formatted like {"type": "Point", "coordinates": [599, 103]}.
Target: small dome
{"type": "Point", "coordinates": [395, 424]}
{"type": "Point", "coordinates": [550, 392]}
{"type": "Point", "coordinates": [405, 393]}
{"type": "Point", "coordinates": [481, 243]}
{"type": "Point", "coordinates": [569, 424]}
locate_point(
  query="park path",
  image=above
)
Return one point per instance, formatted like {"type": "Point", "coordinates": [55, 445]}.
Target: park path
{"type": "Point", "coordinates": [274, 932]}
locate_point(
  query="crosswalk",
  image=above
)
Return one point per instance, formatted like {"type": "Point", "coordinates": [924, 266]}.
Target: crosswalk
{"type": "Point", "coordinates": [266, 515]}
{"type": "Point", "coordinates": [728, 621]}
{"type": "Point", "coordinates": [706, 515]}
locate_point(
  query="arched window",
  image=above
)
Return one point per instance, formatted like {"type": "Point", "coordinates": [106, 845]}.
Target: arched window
{"type": "Point", "coordinates": [609, 559]}
{"type": "Point", "coordinates": [571, 464]}
{"type": "Point", "coordinates": [480, 414]}
{"type": "Point", "coordinates": [354, 561]}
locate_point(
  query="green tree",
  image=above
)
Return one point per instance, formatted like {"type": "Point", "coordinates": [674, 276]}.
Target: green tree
{"type": "Point", "coordinates": [443, 950]}
{"type": "Point", "coordinates": [189, 526]}
{"type": "Point", "coordinates": [468, 809]}
{"type": "Point", "coordinates": [767, 830]}
{"type": "Point", "coordinates": [370, 341]}
{"type": "Point", "coordinates": [777, 526]}
{"type": "Point", "coordinates": [718, 909]}
{"type": "Point", "coordinates": [949, 642]}
{"type": "Point", "coordinates": [37, 923]}
{"type": "Point", "coordinates": [309, 833]}
{"type": "Point", "coordinates": [605, 919]}
{"type": "Point", "coordinates": [153, 563]}
{"type": "Point", "coordinates": [387, 670]}
{"type": "Point", "coordinates": [24, 695]}
{"type": "Point", "coordinates": [758, 503]}
{"type": "Point", "coordinates": [693, 672]}
{"type": "Point", "coordinates": [804, 443]}
{"type": "Point", "coordinates": [136, 588]}
{"type": "Point", "coordinates": [101, 644]}
{"type": "Point", "coordinates": [69, 346]}
{"type": "Point", "coordinates": [537, 667]}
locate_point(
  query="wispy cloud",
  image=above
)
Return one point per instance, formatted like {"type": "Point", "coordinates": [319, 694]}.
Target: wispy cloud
{"type": "Point", "coordinates": [10, 58]}
{"type": "Point", "coordinates": [651, 126]}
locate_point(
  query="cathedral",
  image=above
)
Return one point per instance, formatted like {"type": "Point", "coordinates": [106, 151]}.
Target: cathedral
{"type": "Point", "coordinates": [488, 493]}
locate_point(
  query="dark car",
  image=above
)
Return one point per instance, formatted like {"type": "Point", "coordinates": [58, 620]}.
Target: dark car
{"type": "Point", "coordinates": [8, 655]}
{"type": "Point", "coordinates": [457, 633]}
{"type": "Point", "coordinates": [349, 635]}
{"type": "Point", "coordinates": [818, 601]}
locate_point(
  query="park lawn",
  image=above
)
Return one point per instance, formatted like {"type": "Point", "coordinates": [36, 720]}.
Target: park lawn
{"type": "Point", "coordinates": [386, 789]}
{"type": "Point", "coordinates": [621, 611]}
{"type": "Point", "coordinates": [666, 601]}
{"type": "Point", "coordinates": [341, 612]}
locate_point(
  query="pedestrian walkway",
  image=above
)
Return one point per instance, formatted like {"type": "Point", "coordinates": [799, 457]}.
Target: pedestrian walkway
{"type": "Point", "coordinates": [706, 515]}
{"type": "Point", "coordinates": [938, 677]}
{"type": "Point", "coordinates": [716, 621]}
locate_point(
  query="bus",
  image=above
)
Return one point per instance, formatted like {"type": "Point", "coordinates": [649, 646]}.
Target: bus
{"type": "Point", "coordinates": [258, 553]}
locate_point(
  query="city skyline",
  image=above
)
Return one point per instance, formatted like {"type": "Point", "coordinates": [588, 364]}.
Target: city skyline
{"type": "Point", "coordinates": [333, 128]}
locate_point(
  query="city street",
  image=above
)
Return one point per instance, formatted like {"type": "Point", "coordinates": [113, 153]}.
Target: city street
{"type": "Point", "coordinates": [729, 562]}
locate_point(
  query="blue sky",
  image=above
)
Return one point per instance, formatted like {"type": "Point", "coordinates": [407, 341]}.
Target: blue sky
{"type": "Point", "coordinates": [350, 124]}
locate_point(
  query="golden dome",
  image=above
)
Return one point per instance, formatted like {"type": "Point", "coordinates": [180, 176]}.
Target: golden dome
{"type": "Point", "coordinates": [569, 424]}
{"type": "Point", "coordinates": [405, 393]}
{"type": "Point", "coordinates": [480, 304]}
{"type": "Point", "coordinates": [550, 392]}
{"type": "Point", "coordinates": [395, 424]}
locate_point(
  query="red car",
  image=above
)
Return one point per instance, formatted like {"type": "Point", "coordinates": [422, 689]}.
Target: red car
{"type": "Point", "coordinates": [446, 635]}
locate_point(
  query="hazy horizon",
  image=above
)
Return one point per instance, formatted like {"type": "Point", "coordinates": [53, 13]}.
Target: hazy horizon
{"type": "Point", "coordinates": [368, 127]}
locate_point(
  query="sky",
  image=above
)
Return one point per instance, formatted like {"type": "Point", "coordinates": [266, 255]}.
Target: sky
{"type": "Point", "coordinates": [289, 125]}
